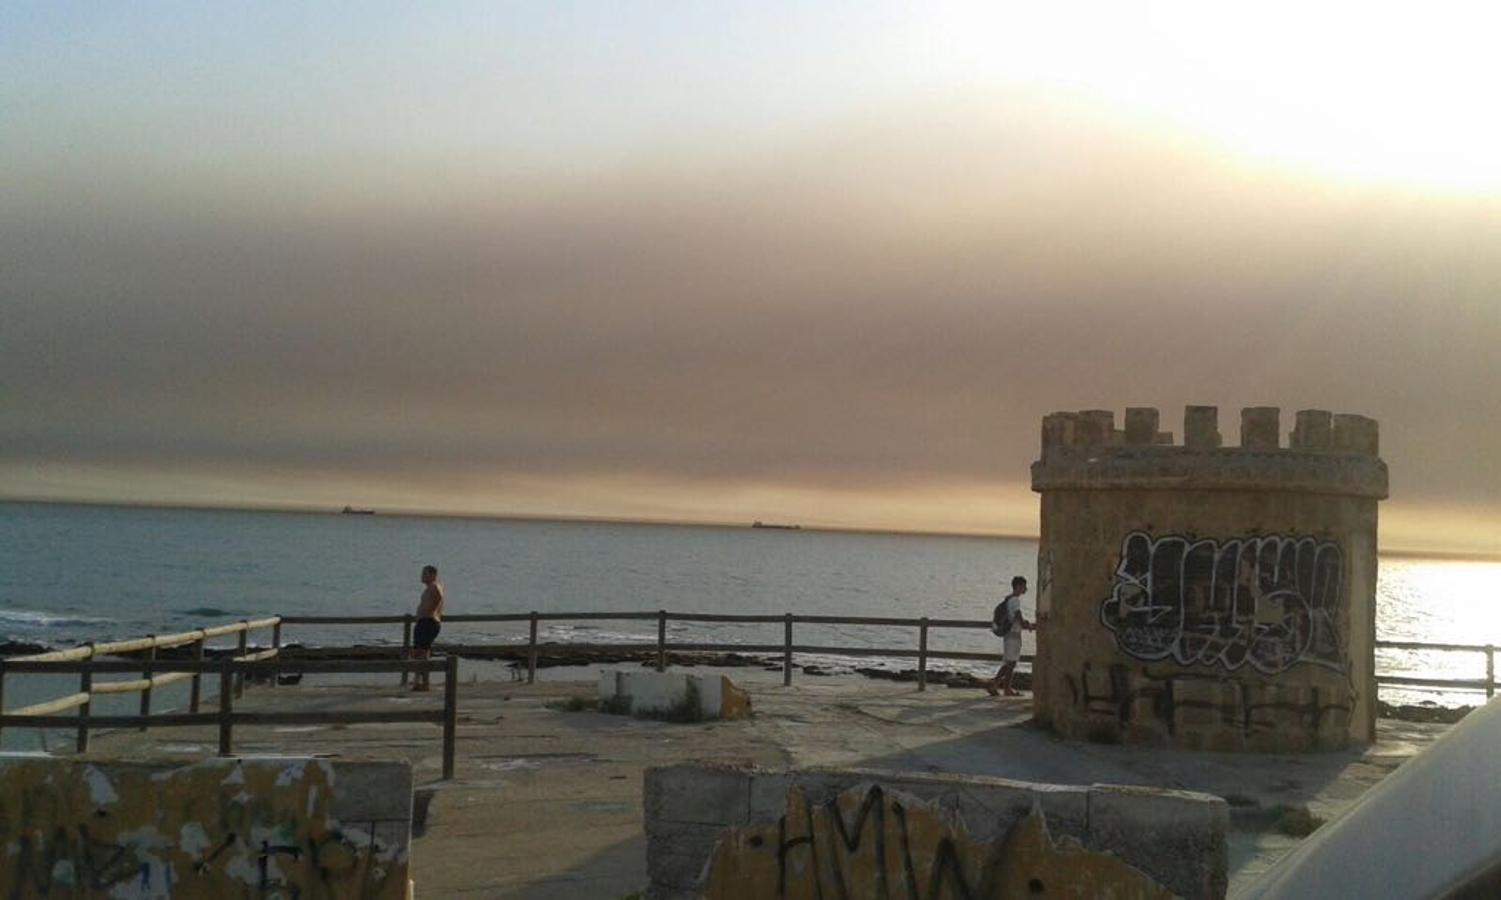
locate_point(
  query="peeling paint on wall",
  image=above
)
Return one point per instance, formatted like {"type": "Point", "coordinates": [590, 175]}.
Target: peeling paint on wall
{"type": "Point", "coordinates": [220, 829]}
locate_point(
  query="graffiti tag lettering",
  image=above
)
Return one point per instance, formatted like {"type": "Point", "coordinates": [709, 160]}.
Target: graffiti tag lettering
{"type": "Point", "coordinates": [1269, 602]}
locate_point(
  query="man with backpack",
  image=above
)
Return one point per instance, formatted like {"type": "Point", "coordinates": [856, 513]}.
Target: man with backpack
{"type": "Point", "coordinates": [1007, 622]}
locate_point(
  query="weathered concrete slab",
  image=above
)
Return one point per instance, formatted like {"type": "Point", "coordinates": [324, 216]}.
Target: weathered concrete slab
{"type": "Point", "coordinates": [547, 804]}
{"type": "Point", "coordinates": [667, 693]}
{"type": "Point", "coordinates": [810, 832]}
{"type": "Point", "coordinates": [291, 826]}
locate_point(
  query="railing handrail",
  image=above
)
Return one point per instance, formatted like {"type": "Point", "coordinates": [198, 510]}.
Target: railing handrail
{"type": "Point", "coordinates": [161, 641]}
{"type": "Point", "coordinates": [84, 660]}
{"type": "Point", "coordinates": [243, 665]}
{"type": "Point", "coordinates": [42, 715]}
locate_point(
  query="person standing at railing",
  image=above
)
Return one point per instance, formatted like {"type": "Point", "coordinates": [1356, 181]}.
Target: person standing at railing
{"type": "Point", "coordinates": [429, 623]}
{"type": "Point", "coordinates": [1007, 622]}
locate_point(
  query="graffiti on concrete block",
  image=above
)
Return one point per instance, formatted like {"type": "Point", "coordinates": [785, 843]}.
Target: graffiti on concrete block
{"type": "Point", "coordinates": [243, 829]}
{"type": "Point", "coordinates": [870, 842]}
{"type": "Point", "coordinates": [1269, 602]}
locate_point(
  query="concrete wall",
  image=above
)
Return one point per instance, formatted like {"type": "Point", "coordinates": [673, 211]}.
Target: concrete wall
{"type": "Point", "coordinates": [1204, 596]}
{"type": "Point", "coordinates": [724, 832]}
{"type": "Point", "coordinates": [264, 827]}
{"type": "Point", "coordinates": [661, 692]}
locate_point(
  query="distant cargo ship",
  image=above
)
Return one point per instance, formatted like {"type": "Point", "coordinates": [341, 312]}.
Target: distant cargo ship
{"type": "Point", "coordinates": [760, 524]}
{"type": "Point", "coordinates": [351, 511]}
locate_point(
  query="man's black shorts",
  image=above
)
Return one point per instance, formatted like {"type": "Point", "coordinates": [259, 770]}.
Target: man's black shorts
{"type": "Point", "coordinates": [425, 633]}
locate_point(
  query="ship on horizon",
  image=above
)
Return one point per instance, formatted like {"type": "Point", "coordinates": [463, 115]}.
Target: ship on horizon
{"type": "Point", "coordinates": [760, 524]}
{"type": "Point", "coordinates": [351, 511]}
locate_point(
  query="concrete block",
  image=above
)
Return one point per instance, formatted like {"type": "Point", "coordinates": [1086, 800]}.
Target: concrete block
{"type": "Point", "coordinates": [1058, 431]}
{"type": "Point", "coordinates": [767, 795]}
{"type": "Point", "coordinates": [671, 870]}
{"type": "Point", "coordinates": [370, 791]}
{"type": "Point", "coordinates": [1201, 427]}
{"type": "Point", "coordinates": [1259, 428]}
{"type": "Point", "coordinates": [1177, 837]}
{"type": "Point", "coordinates": [664, 692]}
{"type": "Point", "coordinates": [1094, 428]}
{"type": "Point", "coordinates": [153, 822]}
{"type": "Point", "coordinates": [987, 808]}
{"type": "Point", "coordinates": [689, 840]}
{"type": "Point", "coordinates": [705, 794]}
{"type": "Point", "coordinates": [1141, 426]}
{"type": "Point", "coordinates": [1314, 430]}
{"type": "Point", "coordinates": [1356, 434]}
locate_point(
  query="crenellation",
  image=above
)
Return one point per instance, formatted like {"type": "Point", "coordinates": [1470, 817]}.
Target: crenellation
{"type": "Point", "coordinates": [1312, 431]}
{"type": "Point", "coordinates": [1356, 434]}
{"type": "Point", "coordinates": [1260, 428]}
{"type": "Point", "coordinates": [1095, 428]}
{"type": "Point", "coordinates": [1201, 427]}
{"type": "Point", "coordinates": [1141, 426]}
{"type": "Point", "coordinates": [1058, 431]}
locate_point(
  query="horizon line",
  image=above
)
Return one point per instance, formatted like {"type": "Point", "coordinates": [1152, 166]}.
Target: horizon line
{"type": "Point", "coordinates": [1391, 552]}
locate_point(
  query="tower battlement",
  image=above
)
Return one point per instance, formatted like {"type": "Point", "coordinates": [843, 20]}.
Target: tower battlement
{"type": "Point", "coordinates": [1260, 429]}
{"type": "Point", "coordinates": [1324, 453]}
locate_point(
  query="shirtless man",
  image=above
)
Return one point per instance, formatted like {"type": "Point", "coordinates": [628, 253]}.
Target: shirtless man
{"type": "Point", "coordinates": [429, 622]}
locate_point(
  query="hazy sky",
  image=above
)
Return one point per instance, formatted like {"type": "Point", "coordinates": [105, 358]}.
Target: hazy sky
{"type": "Point", "coordinates": [827, 263]}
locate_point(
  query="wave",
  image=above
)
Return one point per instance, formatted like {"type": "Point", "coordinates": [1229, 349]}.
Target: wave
{"type": "Point", "coordinates": [207, 612]}
{"type": "Point", "coordinates": [37, 619]}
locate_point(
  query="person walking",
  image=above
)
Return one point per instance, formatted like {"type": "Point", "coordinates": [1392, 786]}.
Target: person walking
{"type": "Point", "coordinates": [1008, 622]}
{"type": "Point", "coordinates": [429, 623]}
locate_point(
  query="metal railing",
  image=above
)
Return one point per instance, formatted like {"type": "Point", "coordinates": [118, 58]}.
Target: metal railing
{"type": "Point", "coordinates": [788, 647]}
{"type": "Point", "coordinates": [149, 667]}
{"type": "Point", "coordinates": [155, 672]}
{"type": "Point", "coordinates": [1488, 684]}
{"type": "Point", "coordinates": [661, 646]}
{"type": "Point", "coordinates": [231, 671]}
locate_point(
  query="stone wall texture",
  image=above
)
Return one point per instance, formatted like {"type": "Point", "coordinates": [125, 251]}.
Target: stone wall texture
{"type": "Point", "coordinates": [1204, 596]}
{"type": "Point", "coordinates": [735, 832]}
{"type": "Point", "coordinates": [263, 827]}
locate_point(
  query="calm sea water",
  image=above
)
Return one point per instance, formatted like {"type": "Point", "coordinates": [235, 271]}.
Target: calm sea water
{"type": "Point", "coordinates": [73, 573]}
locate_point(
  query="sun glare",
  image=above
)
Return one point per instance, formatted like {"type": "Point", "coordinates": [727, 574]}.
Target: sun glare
{"type": "Point", "coordinates": [1397, 93]}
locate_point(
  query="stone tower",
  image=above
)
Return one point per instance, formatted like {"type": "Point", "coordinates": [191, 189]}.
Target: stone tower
{"type": "Point", "coordinates": [1208, 597]}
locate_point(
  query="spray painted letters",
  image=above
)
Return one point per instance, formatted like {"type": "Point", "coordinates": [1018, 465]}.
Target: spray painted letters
{"type": "Point", "coordinates": [1268, 602]}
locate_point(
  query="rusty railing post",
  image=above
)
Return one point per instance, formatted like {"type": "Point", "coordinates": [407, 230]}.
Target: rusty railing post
{"type": "Point", "coordinates": [787, 651]}
{"type": "Point", "coordinates": [226, 706]}
{"type": "Point", "coordinates": [2, 702]}
{"type": "Point", "coordinates": [146, 674]}
{"type": "Point", "coordinates": [406, 644]}
{"type": "Point", "coordinates": [661, 640]}
{"type": "Point", "coordinates": [275, 645]}
{"type": "Point", "coordinates": [196, 694]}
{"type": "Point", "coordinates": [85, 686]}
{"type": "Point", "coordinates": [531, 652]}
{"type": "Point", "coordinates": [244, 647]}
{"type": "Point", "coordinates": [450, 713]}
{"type": "Point", "coordinates": [922, 654]}
{"type": "Point", "coordinates": [1490, 671]}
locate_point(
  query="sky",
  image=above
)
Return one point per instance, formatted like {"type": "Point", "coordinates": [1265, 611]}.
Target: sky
{"type": "Point", "coordinates": [827, 263]}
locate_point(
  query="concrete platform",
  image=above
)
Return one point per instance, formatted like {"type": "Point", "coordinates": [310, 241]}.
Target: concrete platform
{"type": "Point", "coordinates": [547, 803]}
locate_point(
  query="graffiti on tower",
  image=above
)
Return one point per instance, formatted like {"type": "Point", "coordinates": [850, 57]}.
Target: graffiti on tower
{"type": "Point", "coordinates": [1269, 602]}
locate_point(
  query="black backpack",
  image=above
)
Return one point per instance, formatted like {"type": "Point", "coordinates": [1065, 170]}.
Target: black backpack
{"type": "Point", "coordinates": [1000, 622]}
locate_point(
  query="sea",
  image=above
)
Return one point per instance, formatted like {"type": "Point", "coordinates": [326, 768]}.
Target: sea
{"type": "Point", "coordinates": [73, 573]}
